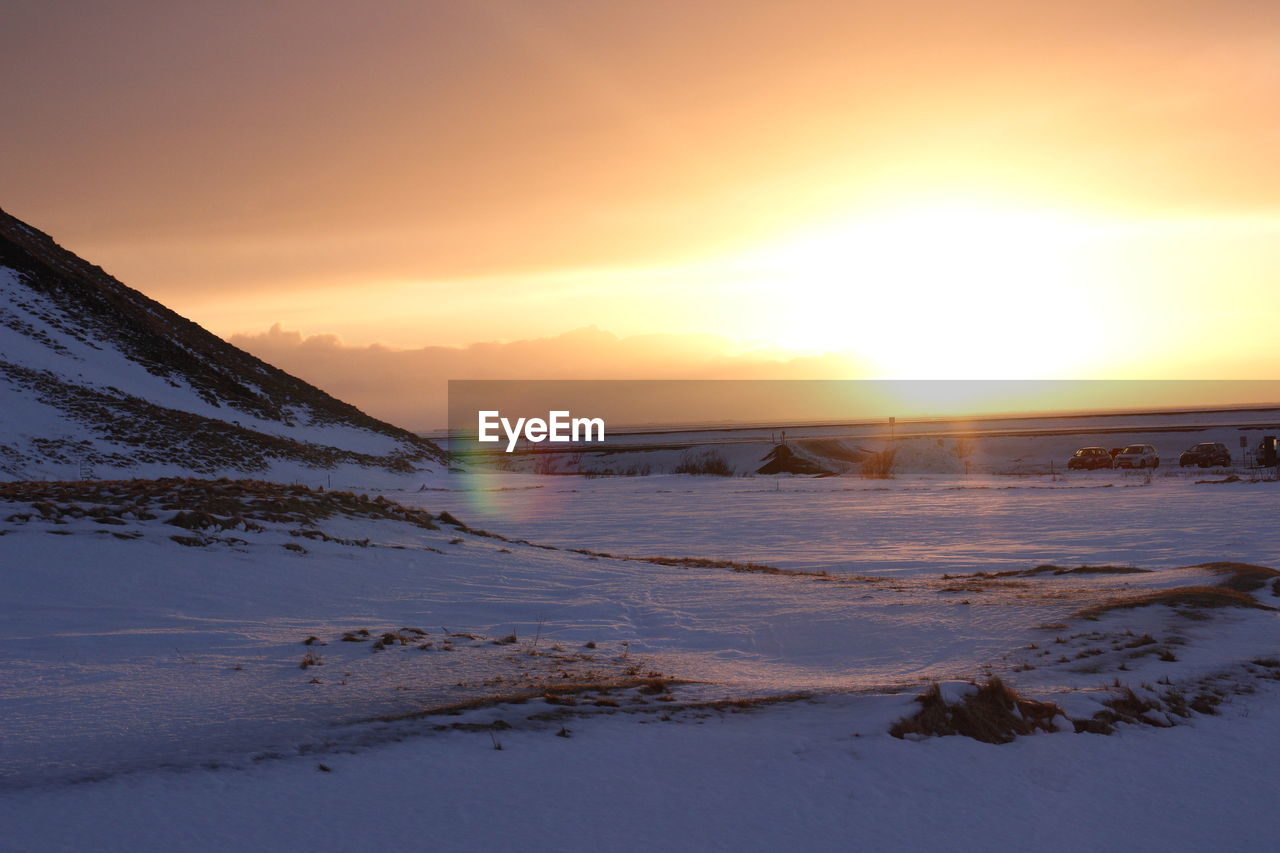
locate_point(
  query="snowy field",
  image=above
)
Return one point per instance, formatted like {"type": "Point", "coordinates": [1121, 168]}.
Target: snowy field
{"type": "Point", "coordinates": [910, 525]}
{"type": "Point", "coordinates": [152, 693]}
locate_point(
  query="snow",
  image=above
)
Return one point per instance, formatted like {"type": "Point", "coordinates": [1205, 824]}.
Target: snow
{"type": "Point", "coordinates": [904, 526]}
{"type": "Point", "coordinates": [151, 694]}
{"type": "Point", "coordinates": [789, 777]}
{"type": "Point", "coordinates": [954, 692]}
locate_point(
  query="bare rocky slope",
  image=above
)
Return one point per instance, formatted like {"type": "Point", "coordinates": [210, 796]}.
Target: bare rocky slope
{"type": "Point", "coordinates": [96, 379]}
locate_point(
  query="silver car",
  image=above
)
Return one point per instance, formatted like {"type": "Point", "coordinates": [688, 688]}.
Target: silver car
{"type": "Point", "coordinates": [1137, 456]}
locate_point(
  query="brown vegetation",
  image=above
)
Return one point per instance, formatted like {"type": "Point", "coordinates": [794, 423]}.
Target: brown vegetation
{"type": "Point", "coordinates": [552, 693]}
{"type": "Point", "coordinates": [1183, 596]}
{"type": "Point", "coordinates": [709, 463]}
{"type": "Point", "coordinates": [994, 713]}
{"type": "Point", "coordinates": [203, 504]}
{"type": "Point", "coordinates": [1243, 577]}
{"type": "Point", "coordinates": [1051, 569]}
{"type": "Point", "coordinates": [880, 466]}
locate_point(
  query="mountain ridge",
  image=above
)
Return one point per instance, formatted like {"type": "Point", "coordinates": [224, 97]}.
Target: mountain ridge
{"type": "Point", "coordinates": [94, 372]}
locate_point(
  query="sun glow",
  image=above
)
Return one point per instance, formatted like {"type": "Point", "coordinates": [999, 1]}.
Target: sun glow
{"type": "Point", "coordinates": [952, 288]}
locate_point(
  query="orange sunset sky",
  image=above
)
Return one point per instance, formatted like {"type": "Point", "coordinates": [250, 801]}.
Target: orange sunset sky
{"type": "Point", "coordinates": [909, 189]}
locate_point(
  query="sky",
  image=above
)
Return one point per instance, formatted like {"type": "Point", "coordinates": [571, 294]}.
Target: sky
{"type": "Point", "coordinates": [911, 189]}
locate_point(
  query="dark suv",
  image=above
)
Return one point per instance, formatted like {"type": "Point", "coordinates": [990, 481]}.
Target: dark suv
{"type": "Point", "coordinates": [1089, 458]}
{"type": "Point", "coordinates": [1206, 454]}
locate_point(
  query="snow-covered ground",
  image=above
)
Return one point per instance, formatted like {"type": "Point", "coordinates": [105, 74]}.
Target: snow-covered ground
{"type": "Point", "coordinates": [794, 777]}
{"type": "Point", "coordinates": [152, 694]}
{"type": "Point", "coordinates": [909, 525]}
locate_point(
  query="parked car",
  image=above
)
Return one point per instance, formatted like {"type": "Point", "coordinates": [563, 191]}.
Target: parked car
{"type": "Point", "coordinates": [1268, 454]}
{"type": "Point", "coordinates": [1206, 454]}
{"type": "Point", "coordinates": [1089, 459]}
{"type": "Point", "coordinates": [1138, 456]}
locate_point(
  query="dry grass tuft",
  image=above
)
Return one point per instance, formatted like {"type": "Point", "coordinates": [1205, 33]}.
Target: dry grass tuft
{"type": "Point", "coordinates": [1182, 596]}
{"type": "Point", "coordinates": [710, 463]}
{"type": "Point", "coordinates": [735, 565]}
{"type": "Point", "coordinates": [1096, 570]}
{"type": "Point", "coordinates": [880, 466]}
{"type": "Point", "coordinates": [1131, 707]}
{"type": "Point", "coordinates": [995, 713]}
{"type": "Point", "coordinates": [550, 693]}
{"type": "Point", "coordinates": [1242, 577]}
{"type": "Point", "coordinates": [1052, 569]}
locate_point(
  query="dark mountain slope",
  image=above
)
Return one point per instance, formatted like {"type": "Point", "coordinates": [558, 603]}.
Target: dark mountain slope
{"type": "Point", "coordinates": [94, 373]}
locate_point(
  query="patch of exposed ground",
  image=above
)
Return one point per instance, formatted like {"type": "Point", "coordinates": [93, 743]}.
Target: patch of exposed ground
{"type": "Point", "coordinates": [1182, 596]}
{"type": "Point", "coordinates": [199, 504]}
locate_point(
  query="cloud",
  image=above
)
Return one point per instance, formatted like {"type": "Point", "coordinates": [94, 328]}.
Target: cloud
{"type": "Point", "coordinates": [409, 386]}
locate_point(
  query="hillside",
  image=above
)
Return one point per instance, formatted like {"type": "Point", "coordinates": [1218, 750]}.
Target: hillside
{"type": "Point", "coordinates": [97, 379]}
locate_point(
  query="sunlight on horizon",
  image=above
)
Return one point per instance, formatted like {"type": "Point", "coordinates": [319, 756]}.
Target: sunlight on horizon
{"type": "Point", "coordinates": [949, 286]}
{"type": "Point", "coordinates": [893, 283]}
